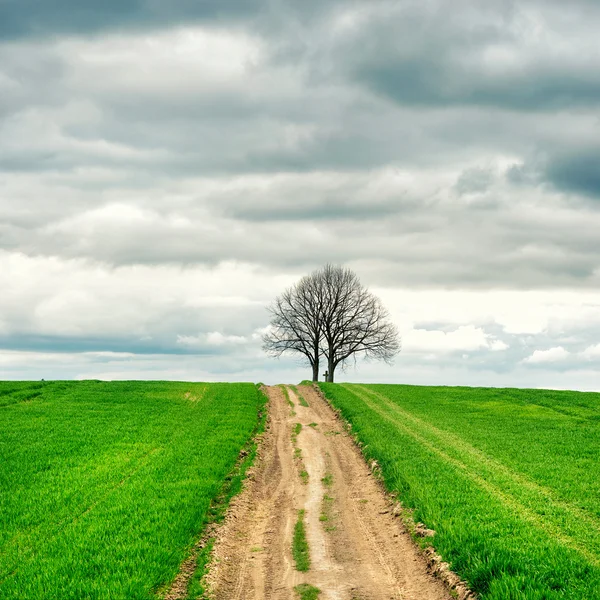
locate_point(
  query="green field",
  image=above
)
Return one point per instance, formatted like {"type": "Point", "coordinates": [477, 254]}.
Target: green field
{"type": "Point", "coordinates": [105, 487]}
{"type": "Point", "coordinates": [508, 479]}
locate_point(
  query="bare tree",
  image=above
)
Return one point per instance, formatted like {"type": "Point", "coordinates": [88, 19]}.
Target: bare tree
{"type": "Point", "coordinates": [330, 313]}
{"type": "Point", "coordinates": [295, 323]}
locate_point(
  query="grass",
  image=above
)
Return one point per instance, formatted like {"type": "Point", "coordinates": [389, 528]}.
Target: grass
{"type": "Point", "coordinates": [508, 479]}
{"type": "Point", "coordinates": [298, 452]}
{"type": "Point", "coordinates": [301, 400]}
{"type": "Point", "coordinates": [306, 591]}
{"type": "Point", "coordinates": [326, 515]}
{"type": "Point", "coordinates": [295, 431]}
{"type": "Point", "coordinates": [327, 480]}
{"type": "Point", "coordinates": [300, 550]}
{"type": "Point", "coordinates": [106, 487]}
{"type": "Point", "coordinates": [287, 395]}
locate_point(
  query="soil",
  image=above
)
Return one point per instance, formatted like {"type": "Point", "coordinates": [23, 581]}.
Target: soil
{"type": "Point", "coordinates": [359, 550]}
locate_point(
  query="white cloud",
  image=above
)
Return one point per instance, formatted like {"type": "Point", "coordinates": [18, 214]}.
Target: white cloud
{"type": "Point", "coordinates": [552, 355]}
{"type": "Point", "coordinates": [497, 345]}
{"type": "Point", "coordinates": [13, 359]}
{"type": "Point", "coordinates": [213, 338]}
{"type": "Point", "coordinates": [51, 296]}
{"type": "Point", "coordinates": [107, 355]}
{"type": "Point", "coordinates": [591, 352]}
{"type": "Point", "coordinates": [216, 338]}
{"type": "Point", "coordinates": [185, 60]}
{"type": "Point", "coordinates": [517, 312]}
{"type": "Point", "coordinates": [465, 337]}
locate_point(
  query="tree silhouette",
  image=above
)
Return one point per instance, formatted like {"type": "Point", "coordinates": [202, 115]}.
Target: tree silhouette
{"type": "Point", "coordinates": [330, 313]}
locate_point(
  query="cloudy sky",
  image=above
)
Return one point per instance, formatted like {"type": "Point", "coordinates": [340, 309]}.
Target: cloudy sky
{"type": "Point", "coordinates": [168, 168]}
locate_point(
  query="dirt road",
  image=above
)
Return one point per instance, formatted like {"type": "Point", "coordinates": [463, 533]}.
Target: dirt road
{"type": "Point", "coordinates": [358, 549]}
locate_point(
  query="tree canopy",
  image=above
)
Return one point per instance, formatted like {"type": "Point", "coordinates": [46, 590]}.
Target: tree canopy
{"type": "Point", "coordinates": [330, 314]}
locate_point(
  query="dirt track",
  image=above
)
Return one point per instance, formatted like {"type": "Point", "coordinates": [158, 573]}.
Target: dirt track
{"type": "Point", "coordinates": [358, 549]}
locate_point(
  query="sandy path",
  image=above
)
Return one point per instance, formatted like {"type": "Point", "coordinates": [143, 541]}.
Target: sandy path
{"type": "Point", "coordinates": [359, 550]}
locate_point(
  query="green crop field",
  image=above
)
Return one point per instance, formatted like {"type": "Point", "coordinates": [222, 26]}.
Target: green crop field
{"type": "Point", "coordinates": [508, 479]}
{"type": "Point", "coordinates": [105, 487]}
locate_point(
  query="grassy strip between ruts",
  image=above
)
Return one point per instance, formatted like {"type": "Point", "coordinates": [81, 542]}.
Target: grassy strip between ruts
{"type": "Point", "coordinates": [300, 550]}
{"type": "Point", "coordinates": [298, 453]}
{"type": "Point", "coordinates": [301, 400]}
{"type": "Point", "coordinates": [493, 473]}
{"type": "Point", "coordinates": [287, 395]}
{"type": "Point", "coordinates": [326, 515]}
{"type": "Point", "coordinates": [231, 487]}
{"type": "Point", "coordinates": [295, 432]}
{"type": "Point", "coordinates": [306, 591]}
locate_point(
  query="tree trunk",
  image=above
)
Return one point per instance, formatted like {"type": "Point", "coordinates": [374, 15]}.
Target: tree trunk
{"type": "Point", "coordinates": [330, 370]}
{"type": "Point", "coordinates": [315, 370]}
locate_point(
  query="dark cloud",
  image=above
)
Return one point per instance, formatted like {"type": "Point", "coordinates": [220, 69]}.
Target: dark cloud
{"type": "Point", "coordinates": [577, 172]}
{"type": "Point", "coordinates": [423, 82]}
{"type": "Point", "coordinates": [332, 206]}
{"type": "Point", "coordinates": [506, 55]}
{"type": "Point", "coordinates": [35, 19]}
{"type": "Point", "coordinates": [87, 343]}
